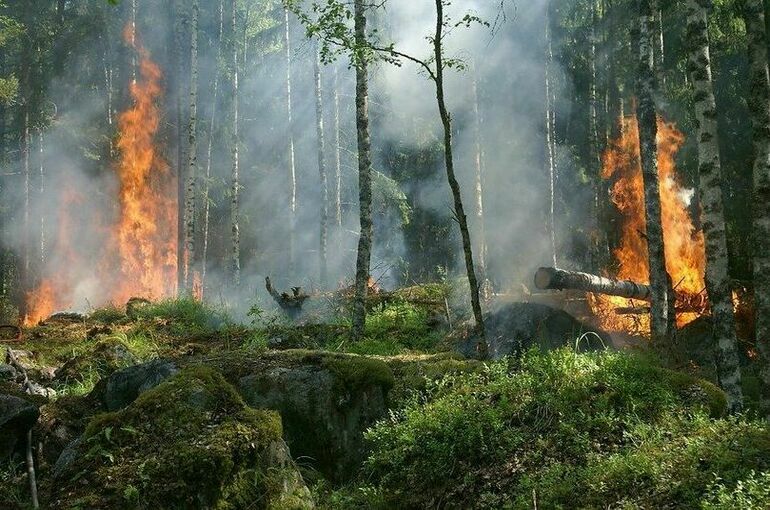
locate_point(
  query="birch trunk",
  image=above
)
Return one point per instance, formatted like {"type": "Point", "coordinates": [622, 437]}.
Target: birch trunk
{"type": "Point", "coordinates": [337, 154]}
{"type": "Point", "coordinates": [759, 105]}
{"type": "Point", "coordinates": [292, 155]}
{"type": "Point", "coordinates": [41, 192]}
{"type": "Point", "coordinates": [659, 51]}
{"type": "Point", "coordinates": [713, 220]}
{"type": "Point", "coordinates": [192, 152]}
{"type": "Point", "coordinates": [659, 280]}
{"type": "Point", "coordinates": [549, 133]}
{"type": "Point", "coordinates": [25, 150]}
{"type": "Point", "coordinates": [180, 163]}
{"type": "Point", "coordinates": [324, 223]}
{"type": "Point", "coordinates": [481, 248]}
{"type": "Point", "coordinates": [207, 182]}
{"type": "Point", "coordinates": [363, 260]}
{"type": "Point", "coordinates": [234, 180]}
{"type": "Point", "coordinates": [459, 209]}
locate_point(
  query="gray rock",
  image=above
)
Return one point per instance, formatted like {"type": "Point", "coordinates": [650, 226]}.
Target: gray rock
{"type": "Point", "coordinates": [7, 373]}
{"type": "Point", "coordinates": [514, 328]}
{"type": "Point", "coordinates": [124, 386]}
{"type": "Point", "coordinates": [67, 457]}
{"type": "Point", "coordinates": [323, 424]}
{"type": "Point", "coordinates": [17, 417]}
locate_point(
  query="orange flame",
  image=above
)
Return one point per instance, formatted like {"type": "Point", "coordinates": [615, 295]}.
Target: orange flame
{"type": "Point", "coordinates": [684, 244]}
{"type": "Point", "coordinates": [145, 232]}
{"type": "Point", "coordinates": [139, 257]}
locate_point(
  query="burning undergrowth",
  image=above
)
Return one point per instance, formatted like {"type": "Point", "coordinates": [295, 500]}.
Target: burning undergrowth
{"type": "Point", "coordinates": [137, 253]}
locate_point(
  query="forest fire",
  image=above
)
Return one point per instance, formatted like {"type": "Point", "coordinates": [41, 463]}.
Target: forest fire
{"type": "Point", "coordinates": [684, 244]}
{"type": "Point", "coordinates": [139, 248]}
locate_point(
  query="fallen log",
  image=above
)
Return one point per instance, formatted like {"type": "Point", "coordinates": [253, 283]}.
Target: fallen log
{"type": "Point", "coordinates": [551, 278]}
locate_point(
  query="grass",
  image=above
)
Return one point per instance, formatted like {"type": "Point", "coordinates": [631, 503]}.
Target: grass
{"type": "Point", "coordinates": [570, 430]}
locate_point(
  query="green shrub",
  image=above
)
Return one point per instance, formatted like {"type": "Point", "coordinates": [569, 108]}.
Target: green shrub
{"type": "Point", "coordinates": [184, 315]}
{"type": "Point", "coordinates": [571, 430]}
{"type": "Point", "coordinates": [753, 492]}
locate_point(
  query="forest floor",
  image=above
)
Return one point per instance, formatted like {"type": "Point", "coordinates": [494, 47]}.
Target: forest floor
{"type": "Point", "coordinates": [174, 405]}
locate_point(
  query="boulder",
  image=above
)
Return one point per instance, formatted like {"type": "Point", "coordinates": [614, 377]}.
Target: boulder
{"type": "Point", "coordinates": [17, 417]}
{"type": "Point", "coordinates": [516, 327]}
{"type": "Point", "coordinates": [190, 442]}
{"type": "Point", "coordinates": [7, 372]}
{"type": "Point", "coordinates": [326, 403]}
{"type": "Point", "coordinates": [124, 386]}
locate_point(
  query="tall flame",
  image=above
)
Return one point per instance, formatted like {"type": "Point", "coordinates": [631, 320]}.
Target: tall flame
{"type": "Point", "coordinates": [139, 253]}
{"type": "Point", "coordinates": [684, 244]}
{"type": "Point", "coordinates": [144, 234]}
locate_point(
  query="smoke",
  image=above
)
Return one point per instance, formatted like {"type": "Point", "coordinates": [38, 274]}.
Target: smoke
{"type": "Point", "coordinates": [79, 196]}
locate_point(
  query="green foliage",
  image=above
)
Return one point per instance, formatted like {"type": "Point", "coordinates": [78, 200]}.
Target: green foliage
{"type": "Point", "coordinates": [183, 316]}
{"type": "Point", "coordinates": [753, 492]}
{"type": "Point", "coordinates": [576, 430]}
{"type": "Point", "coordinates": [387, 194]}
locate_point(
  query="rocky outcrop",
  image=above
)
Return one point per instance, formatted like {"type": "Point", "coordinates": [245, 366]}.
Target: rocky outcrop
{"type": "Point", "coordinates": [516, 327]}
{"type": "Point", "coordinates": [17, 417]}
{"type": "Point", "coordinates": [326, 402]}
{"type": "Point", "coordinates": [190, 442]}
{"type": "Point", "coordinates": [124, 386]}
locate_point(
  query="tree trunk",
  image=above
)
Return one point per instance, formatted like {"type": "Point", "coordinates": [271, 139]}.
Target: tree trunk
{"type": "Point", "coordinates": [710, 190]}
{"type": "Point", "coordinates": [550, 278]}
{"type": "Point", "coordinates": [659, 51]}
{"type": "Point", "coordinates": [41, 193]}
{"type": "Point", "coordinates": [25, 149]}
{"type": "Point", "coordinates": [549, 134]}
{"type": "Point", "coordinates": [661, 320]}
{"type": "Point", "coordinates": [599, 238]}
{"type": "Point", "coordinates": [459, 209]}
{"type": "Point", "coordinates": [234, 180]}
{"type": "Point", "coordinates": [192, 152]}
{"type": "Point", "coordinates": [337, 154]}
{"type": "Point", "coordinates": [481, 249]}
{"type": "Point", "coordinates": [180, 163]}
{"type": "Point", "coordinates": [324, 223]}
{"type": "Point", "coordinates": [759, 106]}
{"type": "Point", "coordinates": [364, 174]}
{"type": "Point", "coordinates": [207, 183]}
{"type": "Point", "coordinates": [292, 156]}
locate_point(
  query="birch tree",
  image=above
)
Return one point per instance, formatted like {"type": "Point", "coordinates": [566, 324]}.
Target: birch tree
{"type": "Point", "coordinates": [550, 135]}
{"type": "Point", "coordinates": [662, 300]}
{"type": "Point", "coordinates": [290, 137]}
{"type": "Point", "coordinates": [235, 185]}
{"type": "Point", "coordinates": [713, 221]}
{"type": "Point", "coordinates": [212, 121]}
{"type": "Point", "coordinates": [192, 151]}
{"type": "Point", "coordinates": [759, 107]}
{"type": "Point", "coordinates": [321, 145]}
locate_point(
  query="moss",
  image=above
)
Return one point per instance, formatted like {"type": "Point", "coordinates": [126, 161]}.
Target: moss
{"type": "Point", "coordinates": [696, 391]}
{"type": "Point", "coordinates": [110, 314]}
{"type": "Point", "coordinates": [185, 443]}
{"type": "Point", "coordinates": [412, 373]}
{"type": "Point", "coordinates": [356, 373]}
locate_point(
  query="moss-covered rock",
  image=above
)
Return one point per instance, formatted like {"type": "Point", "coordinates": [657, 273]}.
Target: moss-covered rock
{"type": "Point", "coordinates": [190, 442]}
{"type": "Point", "coordinates": [326, 402]}
{"type": "Point", "coordinates": [412, 373]}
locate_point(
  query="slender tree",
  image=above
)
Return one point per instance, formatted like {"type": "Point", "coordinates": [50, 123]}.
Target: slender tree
{"type": "Point", "coordinates": [659, 51]}
{"type": "Point", "coordinates": [659, 280]}
{"type": "Point", "coordinates": [321, 145]}
{"type": "Point", "coordinates": [481, 248]}
{"type": "Point", "coordinates": [594, 155]}
{"type": "Point", "coordinates": [550, 134]}
{"type": "Point", "coordinates": [337, 154]}
{"type": "Point", "coordinates": [290, 139]}
{"type": "Point", "coordinates": [363, 260]}
{"type": "Point", "coordinates": [235, 185]}
{"type": "Point", "coordinates": [192, 151]}
{"type": "Point", "coordinates": [714, 229]}
{"type": "Point", "coordinates": [759, 107]}
{"type": "Point", "coordinates": [212, 121]}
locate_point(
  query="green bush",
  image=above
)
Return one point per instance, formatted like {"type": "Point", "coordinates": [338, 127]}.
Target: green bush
{"type": "Point", "coordinates": [184, 315]}
{"type": "Point", "coordinates": [569, 430]}
{"type": "Point", "coordinates": [753, 492]}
